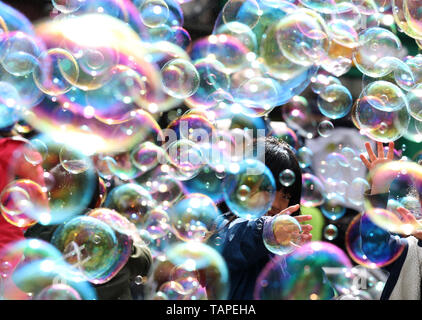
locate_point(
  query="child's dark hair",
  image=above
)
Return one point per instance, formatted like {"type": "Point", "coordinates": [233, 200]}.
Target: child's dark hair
{"type": "Point", "coordinates": [278, 157]}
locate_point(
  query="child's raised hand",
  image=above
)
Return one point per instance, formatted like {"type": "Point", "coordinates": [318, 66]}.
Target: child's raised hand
{"type": "Point", "coordinates": [284, 234]}
{"type": "Point", "coordinates": [414, 225]}
{"type": "Point", "coordinates": [378, 185]}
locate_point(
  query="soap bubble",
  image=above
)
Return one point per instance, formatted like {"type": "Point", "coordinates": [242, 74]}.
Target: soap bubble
{"type": "Point", "coordinates": [305, 277]}
{"type": "Point", "coordinates": [374, 44]}
{"type": "Point", "coordinates": [287, 177]}
{"type": "Point", "coordinates": [132, 201]}
{"type": "Point", "coordinates": [313, 191]}
{"type": "Point", "coordinates": [23, 202]}
{"type": "Point", "coordinates": [154, 12]}
{"type": "Point", "coordinates": [325, 128]}
{"type": "Point", "coordinates": [249, 189]}
{"type": "Point", "coordinates": [330, 232]}
{"type": "Point", "coordinates": [281, 234]}
{"type": "Point", "coordinates": [193, 217]}
{"type": "Point", "coordinates": [335, 101]}
{"type": "Point", "coordinates": [246, 12]}
{"type": "Point", "coordinates": [180, 78]}
{"type": "Point", "coordinates": [90, 245]}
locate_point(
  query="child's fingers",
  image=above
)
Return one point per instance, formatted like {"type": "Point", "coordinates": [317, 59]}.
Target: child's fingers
{"type": "Point", "coordinates": [371, 153]}
{"type": "Point", "coordinates": [407, 215]}
{"type": "Point", "coordinates": [380, 147]}
{"type": "Point", "coordinates": [303, 218]}
{"type": "Point", "coordinates": [306, 228]}
{"type": "Point", "coordinates": [365, 161]}
{"type": "Point", "coordinates": [290, 210]}
{"type": "Point", "coordinates": [390, 154]}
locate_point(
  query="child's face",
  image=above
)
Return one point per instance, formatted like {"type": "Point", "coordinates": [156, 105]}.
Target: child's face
{"type": "Point", "coordinates": [280, 203]}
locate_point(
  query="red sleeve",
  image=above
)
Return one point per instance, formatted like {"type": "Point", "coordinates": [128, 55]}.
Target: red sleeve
{"type": "Point", "coordinates": [13, 165]}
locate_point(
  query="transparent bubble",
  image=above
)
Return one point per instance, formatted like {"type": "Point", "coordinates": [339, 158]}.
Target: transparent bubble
{"type": "Point", "coordinates": [385, 96]}
{"type": "Point", "coordinates": [335, 101]}
{"type": "Point", "coordinates": [287, 177]}
{"type": "Point", "coordinates": [325, 128]}
{"type": "Point", "coordinates": [281, 234]}
{"type": "Point", "coordinates": [180, 78]}
{"type": "Point", "coordinates": [35, 152]}
{"type": "Point", "coordinates": [94, 258]}
{"type": "Point", "coordinates": [355, 194]}
{"type": "Point", "coordinates": [74, 161]}
{"type": "Point", "coordinates": [333, 207]}
{"type": "Point", "coordinates": [193, 217]}
{"type": "Point", "coordinates": [384, 126]}
{"type": "Point", "coordinates": [249, 189]}
{"type": "Point", "coordinates": [23, 202]}
{"type": "Point", "coordinates": [303, 37]}
{"type": "Point", "coordinates": [9, 105]}
{"type": "Point", "coordinates": [304, 156]}
{"type": "Point", "coordinates": [373, 251]}
{"type": "Point", "coordinates": [246, 12]}
{"type": "Point", "coordinates": [307, 276]}
{"type": "Point", "coordinates": [67, 6]}
{"type": "Point", "coordinates": [374, 44]}
{"type": "Point", "coordinates": [154, 12]}
{"type": "Point", "coordinates": [330, 232]}
{"type": "Point", "coordinates": [132, 201]}
{"type": "Point", "coordinates": [313, 191]}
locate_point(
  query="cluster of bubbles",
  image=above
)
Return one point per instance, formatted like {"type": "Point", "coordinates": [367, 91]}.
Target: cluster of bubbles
{"type": "Point", "coordinates": [135, 135]}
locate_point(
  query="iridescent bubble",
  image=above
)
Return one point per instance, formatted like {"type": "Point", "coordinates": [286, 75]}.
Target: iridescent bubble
{"type": "Point", "coordinates": [304, 156]}
{"type": "Point", "coordinates": [258, 96]}
{"type": "Point", "coordinates": [323, 80]}
{"type": "Point", "coordinates": [385, 96]}
{"type": "Point", "coordinates": [165, 190]}
{"type": "Point", "coordinates": [355, 194]}
{"type": "Point", "coordinates": [19, 52]}
{"type": "Point", "coordinates": [23, 202]}
{"type": "Point", "coordinates": [313, 191]}
{"type": "Point", "coordinates": [330, 232]}
{"type": "Point", "coordinates": [132, 201]}
{"type": "Point", "coordinates": [380, 125]}
{"type": "Point", "coordinates": [399, 176]}
{"type": "Point", "coordinates": [333, 207]}
{"type": "Point", "coordinates": [414, 98]}
{"type": "Point", "coordinates": [34, 280]}
{"type": "Point", "coordinates": [74, 161]}
{"type": "Point", "coordinates": [335, 101]}
{"type": "Point", "coordinates": [157, 223]}
{"type": "Point", "coordinates": [193, 217]}
{"type": "Point", "coordinates": [307, 275]}
{"type": "Point", "coordinates": [55, 72]}
{"type": "Point", "coordinates": [147, 156]}
{"type": "Point", "coordinates": [249, 189]}
{"type": "Point", "coordinates": [67, 6]}
{"type": "Point", "coordinates": [186, 157]}
{"type": "Point", "coordinates": [246, 12]}
{"type": "Point", "coordinates": [90, 245]}
{"type": "Point", "coordinates": [287, 177]}
{"type": "Point", "coordinates": [154, 12]}
{"type": "Point", "coordinates": [281, 234]}
{"type": "Point", "coordinates": [9, 105]}
{"type": "Point", "coordinates": [59, 291]}
{"type": "Point", "coordinates": [303, 37]}
{"type": "Point", "coordinates": [35, 152]}
{"type": "Point", "coordinates": [204, 261]}
{"type": "Point", "coordinates": [325, 128]}
{"type": "Point", "coordinates": [180, 78]}
{"type": "Point", "coordinates": [374, 44]}
{"type": "Point", "coordinates": [366, 246]}
{"type": "Point", "coordinates": [297, 115]}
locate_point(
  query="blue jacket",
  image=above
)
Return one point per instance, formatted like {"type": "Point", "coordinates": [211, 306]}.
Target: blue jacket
{"type": "Point", "coordinates": [244, 251]}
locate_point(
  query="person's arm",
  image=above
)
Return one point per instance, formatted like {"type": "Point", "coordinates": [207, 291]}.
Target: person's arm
{"type": "Point", "coordinates": [378, 244]}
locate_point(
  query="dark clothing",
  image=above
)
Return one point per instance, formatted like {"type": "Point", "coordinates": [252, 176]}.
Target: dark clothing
{"type": "Point", "coordinates": [244, 251]}
{"type": "Point", "coordinates": [119, 287]}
